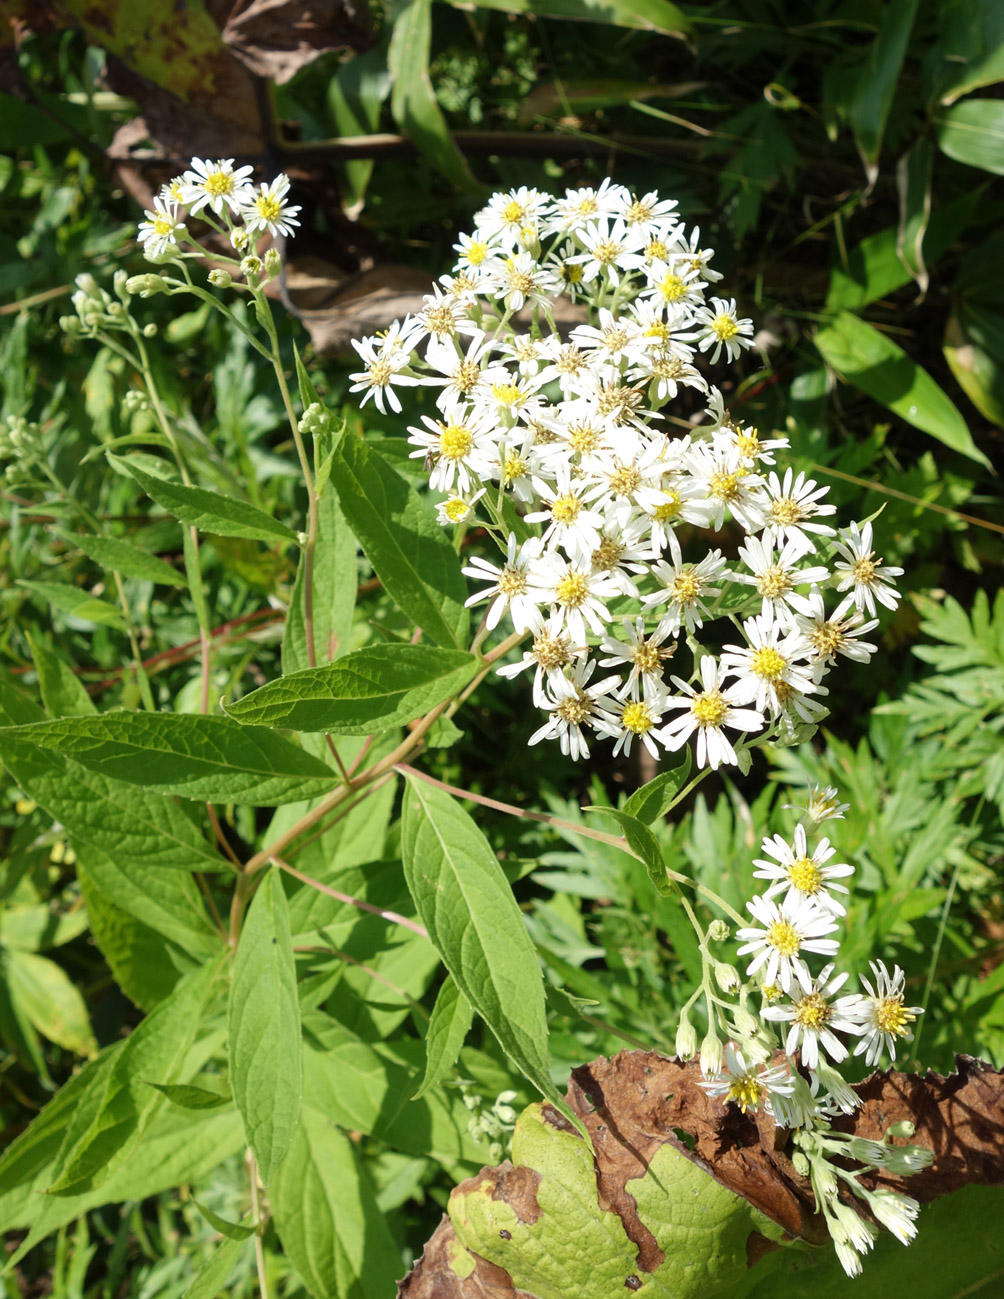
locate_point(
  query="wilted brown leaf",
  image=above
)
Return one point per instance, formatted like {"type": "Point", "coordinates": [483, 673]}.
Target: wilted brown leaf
{"type": "Point", "coordinates": [276, 38]}
{"type": "Point", "coordinates": [444, 1272]}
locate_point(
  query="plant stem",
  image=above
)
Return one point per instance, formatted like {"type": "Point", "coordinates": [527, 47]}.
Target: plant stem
{"type": "Point", "coordinates": [393, 916]}
{"type": "Point", "coordinates": [259, 1250]}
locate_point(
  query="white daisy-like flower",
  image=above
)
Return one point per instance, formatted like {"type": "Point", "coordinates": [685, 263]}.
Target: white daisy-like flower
{"type": "Point", "coordinates": [708, 711]}
{"type": "Point", "coordinates": [860, 570]}
{"type": "Point", "coordinates": [783, 934]}
{"type": "Point", "coordinates": [627, 719]}
{"type": "Point", "coordinates": [457, 509]}
{"type": "Point", "coordinates": [698, 259]}
{"type": "Point", "coordinates": [685, 587]}
{"type": "Point", "coordinates": [461, 374]}
{"type": "Point", "coordinates": [462, 447]}
{"type": "Point", "coordinates": [836, 634]}
{"type": "Point", "coordinates": [794, 504]}
{"type": "Point", "coordinates": [676, 290]}
{"type": "Point", "coordinates": [724, 329]}
{"type": "Point", "coordinates": [651, 215]}
{"type": "Point", "coordinates": [384, 358]}
{"type": "Point", "coordinates": [443, 316]}
{"type": "Point", "coordinates": [575, 592]}
{"type": "Point", "coordinates": [645, 654]}
{"type": "Point", "coordinates": [512, 219]}
{"type": "Point", "coordinates": [773, 664]}
{"type": "Point", "coordinates": [580, 206]}
{"type": "Point", "coordinates": [816, 1016]}
{"type": "Point", "coordinates": [750, 1085]}
{"type": "Point", "coordinates": [822, 803]}
{"type": "Point", "coordinates": [520, 280]}
{"type": "Point", "coordinates": [573, 705]}
{"type": "Point", "coordinates": [775, 577]}
{"type": "Point", "coordinates": [884, 1017]}
{"type": "Point", "coordinates": [610, 341]}
{"type": "Point", "coordinates": [571, 524]}
{"type": "Point", "coordinates": [472, 252]}
{"type": "Point", "coordinates": [799, 874]}
{"type": "Point", "coordinates": [728, 484]}
{"type": "Point", "coordinates": [508, 584]}
{"type": "Point", "coordinates": [216, 185]}
{"type": "Point", "coordinates": [267, 209]}
{"type": "Point", "coordinates": [551, 652]}
{"type": "Point", "coordinates": [605, 243]}
{"type": "Point", "coordinates": [160, 233]}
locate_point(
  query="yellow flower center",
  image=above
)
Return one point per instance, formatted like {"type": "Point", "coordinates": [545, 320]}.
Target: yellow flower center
{"type": "Point", "coordinates": [513, 213]}
{"type": "Point", "coordinates": [648, 657]}
{"type": "Point", "coordinates": [774, 582]}
{"type": "Point", "coordinates": [724, 486]}
{"type": "Point", "coordinates": [656, 250]}
{"type": "Point", "coordinates": [571, 590]}
{"type": "Point", "coordinates": [476, 252]}
{"type": "Point", "coordinates": [724, 327]}
{"type": "Point", "coordinates": [512, 581]}
{"type": "Point", "coordinates": [520, 281]}
{"type": "Point", "coordinates": [637, 718]}
{"type": "Point", "coordinates": [575, 710]}
{"type": "Point", "coordinates": [747, 1092]}
{"type": "Point", "coordinates": [672, 288]}
{"type": "Point", "coordinates": [783, 937]}
{"type": "Point", "coordinates": [812, 1011]}
{"type": "Point", "coordinates": [768, 663]}
{"type": "Point", "coordinates": [507, 394]}
{"type": "Point", "coordinates": [455, 441]}
{"type": "Point", "coordinates": [785, 510]}
{"type": "Point", "coordinates": [566, 508]}
{"type": "Point", "coordinates": [748, 442]}
{"type": "Point", "coordinates": [570, 360]}
{"type": "Point", "coordinates": [551, 651]}
{"type": "Point", "coordinates": [670, 507]}
{"type": "Point", "coordinates": [267, 207]}
{"type": "Point", "coordinates": [771, 992]}
{"type": "Point", "coordinates": [667, 367]}
{"type": "Point", "coordinates": [892, 1016]}
{"type": "Point", "coordinates": [514, 467]}
{"type": "Point", "coordinates": [686, 587]}
{"type": "Point", "coordinates": [456, 509]}
{"type": "Point", "coordinates": [605, 252]}
{"type": "Point", "coordinates": [583, 438]}
{"type": "Point", "coordinates": [710, 708]}
{"type": "Point", "coordinates": [380, 373]}
{"type": "Point", "coordinates": [638, 212]}
{"type": "Point", "coordinates": [805, 875]}
{"type": "Point", "coordinates": [624, 480]}
{"type": "Point", "coordinates": [218, 183]}
{"type": "Point", "coordinates": [607, 554]}
{"type": "Point", "coordinates": [614, 338]}
{"type": "Point", "coordinates": [571, 272]}
{"type": "Point", "coordinates": [827, 638]}
{"type": "Point", "coordinates": [657, 329]}
{"type": "Point", "coordinates": [586, 206]}
{"type": "Point", "coordinates": [439, 320]}
{"type": "Point", "coordinates": [864, 570]}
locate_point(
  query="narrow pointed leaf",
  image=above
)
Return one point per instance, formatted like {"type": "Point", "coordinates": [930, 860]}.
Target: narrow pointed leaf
{"type": "Point", "coordinates": [116, 555]}
{"type": "Point", "coordinates": [448, 1026]}
{"type": "Point", "coordinates": [653, 800]}
{"type": "Point", "coordinates": [643, 843]}
{"type": "Point", "coordinates": [62, 691]}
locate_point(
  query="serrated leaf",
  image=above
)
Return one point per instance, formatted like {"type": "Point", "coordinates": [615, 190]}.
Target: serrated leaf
{"type": "Point", "coordinates": [327, 1217]}
{"type": "Point", "coordinates": [449, 1024]}
{"type": "Point", "coordinates": [195, 755]}
{"type": "Point", "coordinates": [264, 1028]}
{"type": "Point", "coordinates": [52, 1003]}
{"type": "Point", "coordinates": [972, 132]}
{"type": "Point", "coordinates": [369, 690]}
{"type": "Point", "coordinates": [190, 1097]}
{"type": "Point", "coordinates": [207, 511]}
{"type": "Point", "coordinates": [874, 363]}
{"type": "Point", "coordinates": [465, 902]}
{"type": "Point", "coordinates": [62, 690]}
{"type": "Point", "coordinates": [653, 800]}
{"type": "Point", "coordinates": [110, 1119]}
{"type": "Point", "coordinates": [232, 1230]}
{"type": "Point", "coordinates": [644, 15]}
{"type": "Point", "coordinates": [75, 602]}
{"type": "Point", "coordinates": [334, 571]}
{"type": "Point", "coordinates": [413, 100]}
{"type": "Point", "coordinates": [397, 528]}
{"type": "Point", "coordinates": [115, 555]}
{"type": "Point", "coordinates": [643, 844]}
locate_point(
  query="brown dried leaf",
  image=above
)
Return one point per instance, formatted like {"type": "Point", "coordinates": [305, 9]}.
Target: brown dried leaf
{"type": "Point", "coordinates": [448, 1271]}
{"type": "Point", "coordinates": [276, 38]}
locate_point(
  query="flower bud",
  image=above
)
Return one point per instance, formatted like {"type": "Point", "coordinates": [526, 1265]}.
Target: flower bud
{"type": "Point", "coordinates": [718, 931]}
{"type": "Point", "coordinates": [906, 1160]}
{"type": "Point", "coordinates": [686, 1040]}
{"type": "Point", "coordinates": [800, 1163]}
{"type": "Point", "coordinates": [150, 330]}
{"type": "Point", "coordinates": [273, 263]}
{"type": "Point", "coordinates": [146, 285]}
{"type": "Point", "coordinates": [121, 282]}
{"type": "Point", "coordinates": [251, 267]}
{"type": "Point", "coordinates": [220, 279]}
{"type": "Point", "coordinates": [727, 977]}
{"type": "Point", "coordinates": [711, 1054]}
{"type": "Point", "coordinates": [746, 1022]}
{"type": "Point", "coordinates": [902, 1129]}
{"type": "Point", "coordinates": [87, 285]}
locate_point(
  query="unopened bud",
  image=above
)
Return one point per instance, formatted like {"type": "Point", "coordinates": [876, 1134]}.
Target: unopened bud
{"type": "Point", "coordinates": [746, 1022]}
{"type": "Point", "coordinates": [727, 977]}
{"type": "Point", "coordinates": [273, 263]}
{"type": "Point", "coordinates": [904, 1128]}
{"type": "Point", "coordinates": [146, 285]}
{"type": "Point", "coordinates": [150, 330]}
{"type": "Point", "coordinates": [718, 931]}
{"type": "Point", "coordinates": [121, 282]}
{"type": "Point", "coordinates": [801, 1164]}
{"type": "Point", "coordinates": [87, 285]}
{"type": "Point", "coordinates": [686, 1040]}
{"type": "Point", "coordinates": [711, 1054]}
{"type": "Point", "coordinates": [220, 279]}
{"type": "Point", "coordinates": [251, 267]}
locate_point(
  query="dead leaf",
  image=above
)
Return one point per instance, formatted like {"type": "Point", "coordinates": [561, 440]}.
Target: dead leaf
{"type": "Point", "coordinates": [276, 38]}
{"type": "Point", "coordinates": [448, 1271]}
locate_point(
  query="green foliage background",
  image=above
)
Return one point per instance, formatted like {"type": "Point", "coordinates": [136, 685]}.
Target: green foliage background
{"type": "Point", "coordinates": [841, 157]}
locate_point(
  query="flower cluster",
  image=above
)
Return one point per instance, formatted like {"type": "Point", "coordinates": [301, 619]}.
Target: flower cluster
{"type": "Point", "coordinates": [783, 1055]}
{"type": "Point", "coordinates": [561, 440]}
{"type": "Point", "coordinates": [225, 198]}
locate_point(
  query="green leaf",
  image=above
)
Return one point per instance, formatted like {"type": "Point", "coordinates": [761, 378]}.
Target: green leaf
{"type": "Point", "coordinates": [264, 1027]}
{"type": "Point", "coordinates": [232, 1230]}
{"type": "Point", "coordinates": [197, 756]}
{"type": "Point", "coordinates": [449, 1025]}
{"type": "Point", "coordinates": [62, 690]}
{"type": "Point", "coordinates": [974, 349]}
{"type": "Point", "coordinates": [654, 800]}
{"type": "Point", "coordinates": [334, 592]}
{"type": "Point", "coordinates": [144, 966]}
{"type": "Point", "coordinates": [913, 181]}
{"type": "Point", "coordinates": [115, 555]}
{"type": "Point", "coordinates": [645, 15]}
{"type": "Point", "coordinates": [874, 363]}
{"type": "Point", "coordinates": [35, 928]}
{"type": "Point", "coordinates": [327, 1217]}
{"type": "Point", "coordinates": [189, 1097]}
{"type": "Point", "coordinates": [972, 45]}
{"type": "Point", "coordinates": [973, 132]}
{"type": "Point", "coordinates": [877, 80]}
{"type": "Point", "coordinates": [212, 1278]}
{"type": "Point", "coordinates": [50, 1000]}
{"type": "Point", "coordinates": [369, 690]}
{"type": "Point", "coordinates": [413, 100]}
{"type": "Point", "coordinates": [207, 511]}
{"type": "Point", "coordinates": [410, 552]}
{"type": "Point", "coordinates": [110, 1118]}
{"type": "Point", "coordinates": [76, 603]}
{"type": "Point", "coordinates": [643, 844]}
{"type": "Point", "coordinates": [466, 904]}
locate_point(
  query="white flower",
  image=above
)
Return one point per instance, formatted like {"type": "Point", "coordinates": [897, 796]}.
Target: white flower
{"type": "Point", "coordinates": [573, 705]}
{"type": "Point", "coordinates": [613, 339]}
{"type": "Point", "coordinates": [814, 1016]}
{"type": "Point", "coordinates": [580, 206]}
{"type": "Point", "coordinates": [728, 483]}
{"type": "Point", "coordinates": [750, 1086]}
{"type": "Point", "coordinates": [267, 208]}
{"type": "Point", "coordinates": [775, 578]}
{"type": "Point", "coordinates": [509, 584]}
{"type": "Point", "coordinates": [837, 634]}
{"type": "Point", "coordinates": [216, 185]}
{"type": "Point", "coordinates": [457, 509]}
{"type": "Point", "coordinates": [384, 357]}
{"type": "Point", "coordinates": [794, 503]}
{"type": "Point", "coordinates": [627, 719]}
{"type": "Point", "coordinates": [520, 279]}
{"type": "Point", "coordinates": [605, 243]}
{"type": "Point", "coordinates": [462, 447]}
{"type": "Point", "coordinates": [570, 523]}
{"type": "Point", "coordinates": [574, 592]}
{"type": "Point", "coordinates": [676, 289]}
{"type": "Point", "coordinates": [512, 219]}
{"type": "Point", "coordinates": [802, 874]}
{"type": "Point", "coordinates": [708, 711]}
{"type": "Point", "coordinates": [552, 650]}
{"type": "Point", "coordinates": [723, 329]}
{"type": "Point", "coordinates": [773, 659]}
{"type": "Point", "coordinates": [685, 587]}
{"type": "Point", "coordinates": [884, 1018]}
{"type": "Point", "coordinates": [784, 933]}
{"type": "Point", "coordinates": [862, 571]}
{"type": "Point", "coordinates": [821, 804]}
{"type": "Point", "coordinates": [645, 654]}
{"type": "Point", "coordinates": [159, 234]}
{"type": "Point", "coordinates": [460, 373]}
